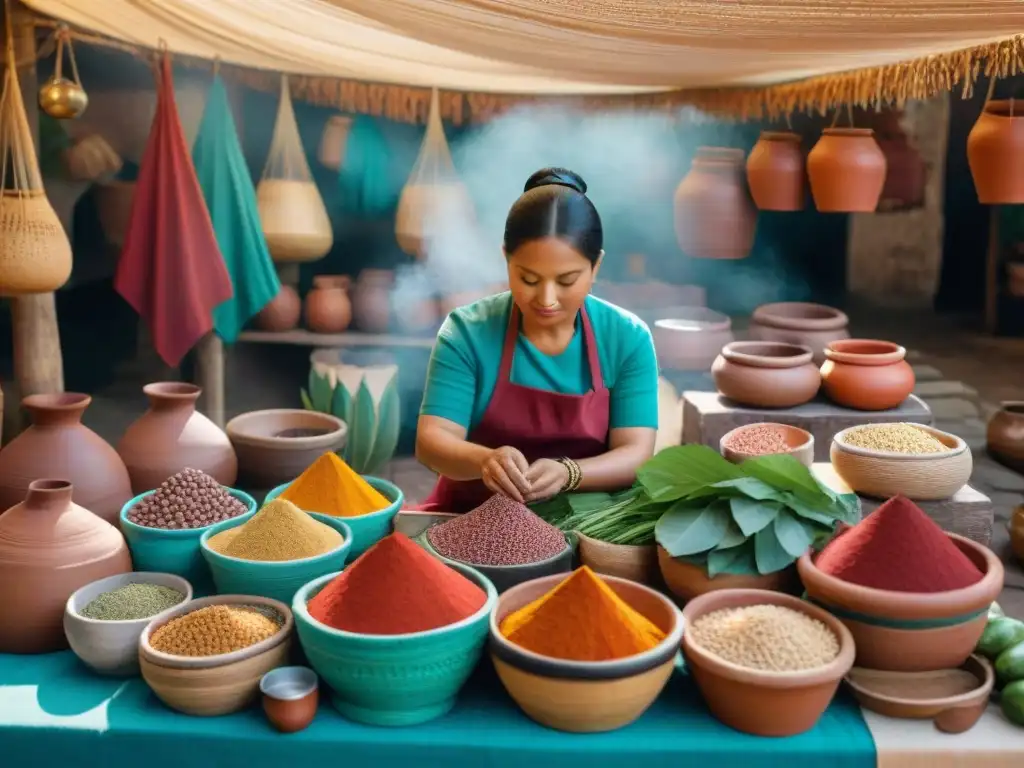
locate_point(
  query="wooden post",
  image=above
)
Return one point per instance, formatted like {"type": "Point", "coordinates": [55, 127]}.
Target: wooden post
{"type": "Point", "coordinates": [210, 376]}
{"type": "Point", "coordinates": [992, 261]}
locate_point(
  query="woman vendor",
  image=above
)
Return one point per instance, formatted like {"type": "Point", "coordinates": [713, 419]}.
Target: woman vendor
{"type": "Point", "coordinates": [544, 388]}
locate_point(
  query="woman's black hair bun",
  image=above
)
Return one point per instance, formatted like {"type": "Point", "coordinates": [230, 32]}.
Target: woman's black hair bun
{"type": "Point", "coordinates": [561, 177]}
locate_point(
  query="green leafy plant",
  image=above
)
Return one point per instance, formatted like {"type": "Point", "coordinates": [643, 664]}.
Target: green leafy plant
{"type": "Point", "coordinates": [625, 517]}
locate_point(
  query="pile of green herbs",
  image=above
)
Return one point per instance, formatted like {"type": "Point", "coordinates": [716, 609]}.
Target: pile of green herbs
{"type": "Point", "coordinates": [757, 517]}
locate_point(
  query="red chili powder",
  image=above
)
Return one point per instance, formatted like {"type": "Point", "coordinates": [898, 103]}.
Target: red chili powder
{"type": "Point", "coordinates": [898, 548]}
{"type": "Point", "coordinates": [394, 588]}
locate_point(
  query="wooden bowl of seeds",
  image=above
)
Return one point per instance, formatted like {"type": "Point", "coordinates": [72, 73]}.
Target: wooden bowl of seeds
{"type": "Point", "coordinates": [903, 458]}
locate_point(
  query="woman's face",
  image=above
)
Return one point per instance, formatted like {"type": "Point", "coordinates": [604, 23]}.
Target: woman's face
{"type": "Point", "coordinates": [549, 280]}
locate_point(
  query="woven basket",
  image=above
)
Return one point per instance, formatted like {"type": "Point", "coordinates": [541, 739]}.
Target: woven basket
{"type": "Point", "coordinates": [922, 477]}
{"type": "Point", "coordinates": [295, 221]}
{"type": "Point", "coordinates": [627, 561]}
{"type": "Point", "coordinates": [35, 255]}
{"type": "Point", "coordinates": [426, 211]}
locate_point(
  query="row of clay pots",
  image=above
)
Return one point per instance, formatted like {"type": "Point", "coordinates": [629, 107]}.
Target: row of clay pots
{"type": "Point", "coordinates": [862, 374]}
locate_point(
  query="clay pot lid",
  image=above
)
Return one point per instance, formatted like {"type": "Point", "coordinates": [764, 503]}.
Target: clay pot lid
{"type": "Point", "coordinates": [1010, 109]}
{"type": "Point", "coordinates": [865, 352]}
{"type": "Point", "coordinates": [767, 354]}
{"type": "Point", "coordinates": [694, 320]}
{"type": "Point", "coordinates": [787, 136]}
{"type": "Point", "coordinates": [800, 315]}
{"type": "Point", "coordinates": [848, 133]}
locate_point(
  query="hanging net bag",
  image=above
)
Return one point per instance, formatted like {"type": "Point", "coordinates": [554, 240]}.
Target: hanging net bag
{"type": "Point", "coordinates": [434, 199]}
{"type": "Point", "coordinates": [295, 221]}
{"type": "Point", "coordinates": [35, 255]}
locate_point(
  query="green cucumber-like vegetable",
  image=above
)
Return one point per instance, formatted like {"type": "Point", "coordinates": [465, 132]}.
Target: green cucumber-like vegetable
{"type": "Point", "coordinates": [1000, 633]}
{"type": "Point", "coordinates": [1011, 701]}
{"type": "Point", "coordinates": [1010, 665]}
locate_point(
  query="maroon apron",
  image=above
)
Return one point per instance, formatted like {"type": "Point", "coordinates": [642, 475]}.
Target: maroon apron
{"type": "Point", "coordinates": [540, 424]}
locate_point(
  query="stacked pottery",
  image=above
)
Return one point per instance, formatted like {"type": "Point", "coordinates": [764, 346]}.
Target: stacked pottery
{"type": "Point", "coordinates": [775, 172]}
{"type": "Point", "coordinates": [691, 338]}
{"type": "Point", "coordinates": [867, 374]}
{"type": "Point", "coordinates": [282, 312]}
{"type": "Point", "coordinates": [847, 171]}
{"type": "Point", "coordinates": [795, 322]}
{"type": "Point", "coordinates": [171, 436]}
{"type": "Point", "coordinates": [766, 374]}
{"type": "Point", "coordinates": [58, 444]}
{"type": "Point", "coordinates": [327, 306]}
{"type": "Point", "coordinates": [995, 153]}
{"type": "Point", "coordinates": [714, 216]}
{"type": "Point", "coordinates": [371, 300]}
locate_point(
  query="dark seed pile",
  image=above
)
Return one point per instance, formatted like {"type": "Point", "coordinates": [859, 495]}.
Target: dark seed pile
{"type": "Point", "coordinates": [498, 532]}
{"type": "Point", "coordinates": [189, 499]}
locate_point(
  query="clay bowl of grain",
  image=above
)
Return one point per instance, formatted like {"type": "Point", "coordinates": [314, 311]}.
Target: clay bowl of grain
{"type": "Point", "coordinates": [780, 689]}
{"type": "Point", "coordinates": [768, 438]}
{"type": "Point", "coordinates": [111, 646]}
{"type": "Point", "coordinates": [913, 460]}
{"type": "Point", "coordinates": [586, 696]}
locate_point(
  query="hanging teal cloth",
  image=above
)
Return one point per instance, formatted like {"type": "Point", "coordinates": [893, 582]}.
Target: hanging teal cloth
{"type": "Point", "coordinates": [365, 179]}
{"type": "Point", "coordinates": [231, 199]}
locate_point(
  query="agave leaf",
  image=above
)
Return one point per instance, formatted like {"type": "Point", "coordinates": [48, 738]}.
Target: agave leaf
{"type": "Point", "coordinates": [306, 402]}
{"type": "Point", "coordinates": [320, 391]}
{"type": "Point", "coordinates": [388, 427]}
{"type": "Point", "coordinates": [362, 429]}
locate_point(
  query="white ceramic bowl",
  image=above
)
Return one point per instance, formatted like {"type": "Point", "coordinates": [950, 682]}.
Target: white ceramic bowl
{"type": "Point", "coordinates": [112, 647]}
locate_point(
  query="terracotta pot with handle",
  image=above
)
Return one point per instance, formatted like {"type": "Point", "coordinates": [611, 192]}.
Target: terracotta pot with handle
{"type": "Point", "coordinates": [847, 171]}
{"type": "Point", "coordinates": [775, 172]}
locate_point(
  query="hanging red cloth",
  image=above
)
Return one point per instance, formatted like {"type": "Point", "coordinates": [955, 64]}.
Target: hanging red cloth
{"type": "Point", "coordinates": [171, 269]}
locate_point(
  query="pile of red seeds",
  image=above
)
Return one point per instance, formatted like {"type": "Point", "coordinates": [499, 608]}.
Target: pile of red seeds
{"type": "Point", "coordinates": [759, 440]}
{"type": "Point", "coordinates": [498, 532]}
{"type": "Point", "coordinates": [189, 499]}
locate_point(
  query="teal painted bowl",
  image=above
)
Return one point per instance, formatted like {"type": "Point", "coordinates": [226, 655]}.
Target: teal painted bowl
{"type": "Point", "coordinates": [394, 679]}
{"type": "Point", "coordinates": [279, 580]}
{"type": "Point", "coordinates": [177, 552]}
{"type": "Point", "coordinates": [367, 530]}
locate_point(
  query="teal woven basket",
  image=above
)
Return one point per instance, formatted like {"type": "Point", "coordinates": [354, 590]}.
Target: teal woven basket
{"type": "Point", "coordinates": [177, 552]}
{"type": "Point", "coordinates": [394, 680]}
{"type": "Point", "coordinates": [367, 530]}
{"type": "Point", "coordinates": [278, 580]}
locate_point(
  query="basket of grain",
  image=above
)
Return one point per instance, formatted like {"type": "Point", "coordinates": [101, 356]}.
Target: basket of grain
{"type": "Point", "coordinates": [913, 460]}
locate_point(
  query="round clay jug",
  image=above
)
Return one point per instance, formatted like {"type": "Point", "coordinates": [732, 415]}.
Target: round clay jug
{"type": "Point", "coordinates": [58, 444]}
{"type": "Point", "coordinates": [49, 548]}
{"type": "Point", "coordinates": [371, 300]}
{"type": "Point", "coordinates": [765, 374]}
{"type": "Point", "coordinates": [173, 435]}
{"type": "Point", "coordinates": [775, 172]}
{"type": "Point", "coordinates": [866, 374]}
{"type": "Point", "coordinates": [995, 153]}
{"type": "Point", "coordinates": [714, 216]}
{"type": "Point", "coordinates": [847, 171]}
{"type": "Point", "coordinates": [327, 306]}
{"type": "Point", "coordinates": [798, 322]}
{"type": "Point", "coordinates": [691, 338]}
{"type": "Point", "coordinates": [282, 312]}
{"type": "Point", "coordinates": [1005, 435]}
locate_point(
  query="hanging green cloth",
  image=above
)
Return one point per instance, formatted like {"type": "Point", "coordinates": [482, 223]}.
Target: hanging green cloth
{"type": "Point", "coordinates": [365, 179]}
{"type": "Point", "coordinates": [231, 199]}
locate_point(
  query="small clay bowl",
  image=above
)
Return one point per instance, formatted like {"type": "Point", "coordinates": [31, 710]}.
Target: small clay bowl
{"type": "Point", "coordinates": [290, 697]}
{"type": "Point", "coordinates": [800, 442]}
{"type": "Point", "coordinates": [954, 698]}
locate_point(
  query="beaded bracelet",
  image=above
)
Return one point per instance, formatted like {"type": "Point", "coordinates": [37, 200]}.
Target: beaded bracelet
{"type": "Point", "coordinates": [575, 474]}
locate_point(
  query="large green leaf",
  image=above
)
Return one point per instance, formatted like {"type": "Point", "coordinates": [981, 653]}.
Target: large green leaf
{"type": "Point", "coordinates": [769, 553]}
{"type": "Point", "coordinates": [681, 470]}
{"type": "Point", "coordinates": [849, 506]}
{"type": "Point", "coordinates": [362, 429]}
{"type": "Point", "coordinates": [752, 516]}
{"type": "Point", "coordinates": [736, 560]}
{"type": "Point", "coordinates": [750, 486]}
{"type": "Point", "coordinates": [687, 530]}
{"type": "Point", "coordinates": [821, 514]}
{"type": "Point", "coordinates": [784, 472]}
{"type": "Point", "coordinates": [341, 406]}
{"type": "Point", "coordinates": [793, 535]}
{"type": "Point", "coordinates": [320, 391]}
{"type": "Point", "coordinates": [389, 425]}
{"type": "Point", "coordinates": [733, 536]}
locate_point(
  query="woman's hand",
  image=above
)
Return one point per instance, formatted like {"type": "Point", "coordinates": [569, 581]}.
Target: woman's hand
{"type": "Point", "coordinates": [547, 477]}
{"type": "Point", "coordinates": [503, 471]}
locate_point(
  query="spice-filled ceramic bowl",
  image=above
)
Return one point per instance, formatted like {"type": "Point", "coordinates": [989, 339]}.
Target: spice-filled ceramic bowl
{"type": "Point", "coordinates": [290, 697]}
{"type": "Point", "coordinates": [886, 473]}
{"type": "Point", "coordinates": [173, 551]}
{"type": "Point", "coordinates": [910, 631]}
{"type": "Point", "coordinates": [586, 696]}
{"type": "Point", "coordinates": [279, 580]}
{"type": "Point", "coordinates": [394, 680]}
{"type": "Point", "coordinates": [367, 530]}
{"type": "Point", "coordinates": [220, 684]}
{"type": "Point", "coordinates": [111, 647]}
{"type": "Point", "coordinates": [764, 703]}
{"type": "Point", "coordinates": [767, 438]}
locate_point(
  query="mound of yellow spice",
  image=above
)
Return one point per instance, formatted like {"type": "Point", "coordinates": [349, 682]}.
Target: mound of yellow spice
{"type": "Point", "coordinates": [216, 629]}
{"type": "Point", "coordinates": [331, 487]}
{"type": "Point", "coordinates": [280, 531]}
{"type": "Point", "coordinates": [582, 619]}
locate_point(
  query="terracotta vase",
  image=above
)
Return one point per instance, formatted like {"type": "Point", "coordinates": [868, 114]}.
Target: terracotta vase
{"type": "Point", "coordinates": [714, 216]}
{"type": "Point", "coordinates": [687, 580]}
{"type": "Point", "coordinates": [173, 435]}
{"type": "Point", "coordinates": [775, 172]}
{"type": "Point", "coordinates": [866, 374]}
{"type": "Point", "coordinates": [59, 445]}
{"type": "Point", "coordinates": [49, 548]}
{"type": "Point", "coordinates": [796, 322]}
{"type": "Point", "coordinates": [847, 171]}
{"type": "Point", "coordinates": [1005, 435]}
{"type": "Point", "coordinates": [371, 300]}
{"type": "Point", "coordinates": [282, 313]}
{"type": "Point", "coordinates": [328, 309]}
{"type": "Point", "coordinates": [766, 374]}
{"type": "Point", "coordinates": [995, 153]}
{"type": "Point", "coordinates": [691, 338]}
{"type": "Point", "coordinates": [904, 177]}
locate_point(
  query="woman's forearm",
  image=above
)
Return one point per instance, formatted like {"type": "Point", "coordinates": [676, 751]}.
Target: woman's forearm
{"type": "Point", "coordinates": [450, 456]}
{"type": "Point", "coordinates": [613, 470]}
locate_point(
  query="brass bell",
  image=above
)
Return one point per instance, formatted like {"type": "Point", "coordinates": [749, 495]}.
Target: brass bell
{"type": "Point", "coordinates": [63, 99]}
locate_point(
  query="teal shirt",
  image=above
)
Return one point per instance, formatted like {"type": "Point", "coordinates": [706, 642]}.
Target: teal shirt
{"type": "Point", "coordinates": [464, 365]}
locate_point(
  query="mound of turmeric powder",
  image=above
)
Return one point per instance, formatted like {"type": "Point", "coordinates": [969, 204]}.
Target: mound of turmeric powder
{"type": "Point", "coordinates": [331, 487]}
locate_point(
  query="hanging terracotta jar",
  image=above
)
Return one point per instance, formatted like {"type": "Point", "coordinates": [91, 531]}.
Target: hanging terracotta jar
{"type": "Point", "coordinates": [714, 216]}
{"type": "Point", "coordinates": [371, 300]}
{"type": "Point", "coordinates": [49, 548]}
{"type": "Point", "coordinates": [59, 445]}
{"type": "Point", "coordinates": [995, 153]}
{"type": "Point", "coordinates": [173, 435]}
{"type": "Point", "coordinates": [282, 312]}
{"type": "Point", "coordinates": [866, 374]}
{"type": "Point", "coordinates": [775, 172]}
{"type": "Point", "coordinates": [327, 306]}
{"type": "Point", "coordinates": [905, 172]}
{"type": "Point", "coordinates": [847, 171]}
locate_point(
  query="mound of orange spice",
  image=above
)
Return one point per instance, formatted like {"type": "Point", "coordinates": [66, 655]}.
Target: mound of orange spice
{"type": "Point", "coordinates": [331, 487]}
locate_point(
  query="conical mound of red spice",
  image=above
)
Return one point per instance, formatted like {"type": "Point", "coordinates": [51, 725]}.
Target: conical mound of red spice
{"type": "Point", "coordinates": [898, 548]}
{"type": "Point", "coordinates": [395, 588]}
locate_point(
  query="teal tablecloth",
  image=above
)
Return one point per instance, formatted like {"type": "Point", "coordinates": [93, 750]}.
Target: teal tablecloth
{"type": "Point", "coordinates": [55, 713]}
